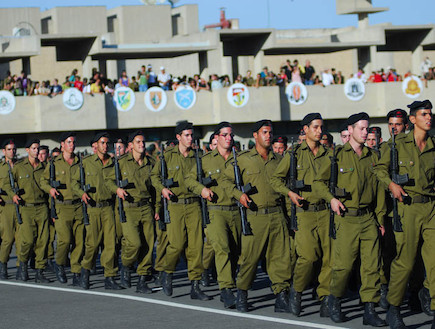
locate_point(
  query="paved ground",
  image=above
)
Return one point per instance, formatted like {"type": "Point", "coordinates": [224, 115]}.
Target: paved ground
{"type": "Point", "coordinates": [55, 305]}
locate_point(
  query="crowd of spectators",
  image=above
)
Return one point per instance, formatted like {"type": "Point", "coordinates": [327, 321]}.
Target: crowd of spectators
{"type": "Point", "coordinates": [145, 78]}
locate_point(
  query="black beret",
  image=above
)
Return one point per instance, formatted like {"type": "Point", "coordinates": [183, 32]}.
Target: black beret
{"type": "Point", "coordinates": [99, 135]}
{"type": "Point", "coordinates": [151, 148]}
{"type": "Point", "coordinates": [398, 113]}
{"type": "Point", "coordinates": [280, 139]}
{"type": "Point", "coordinates": [65, 135]}
{"type": "Point", "coordinates": [211, 137]}
{"type": "Point", "coordinates": [417, 105]}
{"type": "Point", "coordinates": [43, 147]}
{"type": "Point", "coordinates": [375, 130]}
{"type": "Point", "coordinates": [256, 126]}
{"type": "Point", "coordinates": [354, 118]}
{"type": "Point", "coordinates": [32, 141]}
{"type": "Point", "coordinates": [120, 140]}
{"type": "Point", "coordinates": [310, 117]}
{"type": "Point", "coordinates": [343, 127]}
{"type": "Point", "coordinates": [223, 124]}
{"type": "Point", "coordinates": [55, 150]}
{"type": "Point", "coordinates": [7, 141]}
{"type": "Point", "coordinates": [134, 134]}
{"type": "Point", "coordinates": [183, 125]}
{"type": "Point", "coordinates": [328, 136]}
{"type": "Point", "coordinates": [172, 142]}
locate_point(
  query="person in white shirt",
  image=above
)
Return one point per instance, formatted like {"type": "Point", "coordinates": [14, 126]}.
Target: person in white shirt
{"type": "Point", "coordinates": [327, 78]}
{"type": "Point", "coordinates": [164, 79]}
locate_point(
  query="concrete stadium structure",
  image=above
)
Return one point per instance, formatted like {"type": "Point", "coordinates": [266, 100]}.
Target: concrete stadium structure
{"type": "Point", "coordinates": [50, 44]}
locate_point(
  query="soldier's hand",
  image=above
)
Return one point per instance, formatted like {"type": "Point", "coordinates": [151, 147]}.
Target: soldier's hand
{"type": "Point", "coordinates": [295, 198]}
{"type": "Point", "coordinates": [206, 193]}
{"type": "Point", "coordinates": [54, 193]}
{"type": "Point", "coordinates": [166, 193]}
{"type": "Point", "coordinates": [16, 199]}
{"type": "Point", "coordinates": [337, 206]}
{"type": "Point", "coordinates": [244, 200]}
{"type": "Point", "coordinates": [85, 198]}
{"type": "Point", "coordinates": [382, 229]}
{"type": "Point", "coordinates": [121, 193]}
{"type": "Point", "coordinates": [397, 191]}
{"type": "Point", "coordinates": [156, 216]}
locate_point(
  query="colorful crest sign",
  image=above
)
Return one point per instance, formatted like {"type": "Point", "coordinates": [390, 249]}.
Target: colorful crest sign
{"type": "Point", "coordinates": [296, 93]}
{"type": "Point", "coordinates": [7, 102]}
{"type": "Point", "coordinates": [124, 98]}
{"type": "Point", "coordinates": [412, 86]}
{"type": "Point", "coordinates": [238, 95]}
{"type": "Point", "coordinates": [155, 99]}
{"type": "Point", "coordinates": [185, 97]}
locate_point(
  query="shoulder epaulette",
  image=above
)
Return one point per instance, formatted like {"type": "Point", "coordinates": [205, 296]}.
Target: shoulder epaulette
{"type": "Point", "coordinates": [19, 161]}
{"type": "Point", "coordinates": [400, 136]}
{"type": "Point", "coordinates": [240, 153]}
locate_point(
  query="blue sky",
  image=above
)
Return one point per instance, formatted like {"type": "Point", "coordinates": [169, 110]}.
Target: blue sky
{"type": "Point", "coordinates": [283, 14]}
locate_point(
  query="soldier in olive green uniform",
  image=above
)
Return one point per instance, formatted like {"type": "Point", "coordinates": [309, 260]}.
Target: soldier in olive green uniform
{"type": "Point", "coordinates": [69, 225]}
{"type": "Point", "coordinates": [34, 212]}
{"type": "Point", "coordinates": [416, 207]}
{"type": "Point", "coordinates": [138, 230]}
{"type": "Point", "coordinates": [362, 214]}
{"type": "Point", "coordinates": [312, 237]}
{"type": "Point", "coordinates": [185, 227]}
{"type": "Point", "coordinates": [224, 229]}
{"type": "Point", "coordinates": [265, 215]}
{"type": "Point", "coordinates": [99, 201]}
{"type": "Point", "coordinates": [9, 228]}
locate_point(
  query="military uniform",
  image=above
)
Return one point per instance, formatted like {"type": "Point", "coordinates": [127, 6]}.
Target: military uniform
{"type": "Point", "coordinates": [312, 238]}
{"type": "Point", "coordinates": [224, 229]}
{"type": "Point", "coordinates": [270, 233]}
{"type": "Point", "coordinates": [34, 213]}
{"type": "Point", "coordinates": [69, 225]}
{"type": "Point", "coordinates": [357, 230]}
{"type": "Point", "coordinates": [417, 213]}
{"type": "Point", "coordinates": [101, 226]}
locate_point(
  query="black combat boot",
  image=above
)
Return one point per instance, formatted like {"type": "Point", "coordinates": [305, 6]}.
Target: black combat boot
{"type": "Point", "coordinates": [167, 283]}
{"type": "Point", "coordinates": [125, 277]}
{"type": "Point", "coordinates": [282, 303]}
{"type": "Point", "coordinates": [370, 316]}
{"type": "Point", "coordinates": [295, 302]}
{"type": "Point", "coordinates": [40, 277]}
{"type": "Point", "coordinates": [433, 323]}
{"type": "Point", "coordinates": [425, 299]}
{"type": "Point", "coordinates": [84, 279]}
{"type": "Point", "coordinates": [18, 273]}
{"type": "Point", "coordinates": [205, 278]}
{"type": "Point", "coordinates": [60, 273]}
{"type": "Point", "coordinates": [335, 313]}
{"type": "Point", "coordinates": [50, 266]}
{"type": "Point", "coordinates": [242, 301]}
{"type": "Point", "coordinates": [111, 284]}
{"type": "Point", "coordinates": [197, 293]}
{"type": "Point", "coordinates": [76, 280]}
{"type": "Point", "coordinates": [3, 271]}
{"type": "Point", "coordinates": [383, 303]}
{"type": "Point", "coordinates": [158, 280]}
{"type": "Point", "coordinates": [228, 298]}
{"type": "Point", "coordinates": [324, 309]}
{"type": "Point", "coordinates": [394, 318]}
{"type": "Point", "coordinates": [142, 286]}
{"type": "Point", "coordinates": [24, 273]}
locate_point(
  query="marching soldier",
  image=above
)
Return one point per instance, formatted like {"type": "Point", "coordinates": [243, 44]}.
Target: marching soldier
{"type": "Point", "coordinates": [416, 206]}
{"type": "Point", "coordinates": [99, 203]}
{"type": "Point", "coordinates": [138, 229]}
{"type": "Point", "coordinates": [374, 138]}
{"type": "Point", "coordinates": [358, 222]}
{"type": "Point", "coordinates": [69, 225]}
{"type": "Point", "coordinates": [185, 227]}
{"type": "Point", "coordinates": [265, 216]}
{"type": "Point", "coordinates": [224, 229]}
{"type": "Point", "coordinates": [312, 238]}
{"type": "Point", "coordinates": [8, 218]}
{"type": "Point", "coordinates": [34, 211]}
{"type": "Point", "coordinates": [279, 144]}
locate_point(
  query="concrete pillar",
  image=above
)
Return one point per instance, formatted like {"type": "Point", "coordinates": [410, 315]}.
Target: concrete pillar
{"type": "Point", "coordinates": [111, 69]}
{"type": "Point", "coordinates": [259, 62]}
{"type": "Point", "coordinates": [354, 60]}
{"type": "Point", "coordinates": [374, 66]}
{"type": "Point", "coordinates": [416, 59]}
{"type": "Point", "coordinates": [87, 67]}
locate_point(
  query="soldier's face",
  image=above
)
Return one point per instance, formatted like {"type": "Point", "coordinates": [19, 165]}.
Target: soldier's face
{"type": "Point", "coordinates": [422, 119]}
{"type": "Point", "coordinates": [263, 137]}
{"type": "Point", "coordinates": [43, 155]}
{"type": "Point", "coordinates": [102, 145]}
{"type": "Point", "coordinates": [10, 151]}
{"type": "Point", "coordinates": [371, 140]}
{"type": "Point", "coordinates": [397, 124]}
{"type": "Point", "coordinates": [185, 138]}
{"type": "Point", "coordinates": [69, 144]}
{"type": "Point", "coordinates": [213, 143]}
{"type": "Point", "coordinates": [33, 150]}
{"type": "Point", "coordinates": [225, 138]}
{"type": "Point", "coordinates": [359, 131]}
{"type": "Point", "coordinates": [138, 144]}
{"type": "Point", "coordinates": [279, 148]}
{"type": "Point", "coordinates": [313, 132]}
{"type": "Point", "coordinates": [119, 149]}
{"type": "Point", "coordinates": [345, 136]}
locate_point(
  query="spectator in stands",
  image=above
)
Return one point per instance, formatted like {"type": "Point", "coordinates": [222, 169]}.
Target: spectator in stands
{"type": "Point", "coordinates": [175, 83]}
{"type": "Point", "coordinates": [142, 76]}
{"type": "Point", "coordinates": [72, 77]}
{"type": "Point", "coordinates": [86, 86]}
{"type": "Point", "coordinates": [78, 84]}
{"type": "Point", "coordinates": [124, 79]}
{"type": "Point", "coordinates": [24, 83]}
{"type": "Point", "coordinates": [271, 79]}
{"type": "Point", "coordinates": [282, 78]}
{"type": "Point", "coordinates": [43, 89]}
{"type": "Point", "coordinates": [238, 79]}
{"type": "Point", "coordinates": [66, 84]}
{"type": "Point", "coordinates": [192, 83]}
{"type": "Point", "coordinates": [391, 75]}
{"type": "Point", "coordinates": [317, 81]}
{"type": "Point", "coordinates": [296, 74]}
{"type": "Point", "coordinates": [339, 79]}
{"type": "Point", "coordinates": [260, 82]}
{"type": "Point", "coordinates": [202, 85]}
{"type": "Point", "coordinates": [152, 78]}
{"type": "Point", "coordinates": [424, 67]}
{"type": "Point", "coordinates": [109, 89]}
{"type": "Point", "coordinates": [288, 70]}
{"type": "Point", "coordinates": [226, 81]}
{"type": "Point", "coordinates": [265, 72]}
{"type": "Point", "coordinates": [327, 78]}
{"type": "Point", "coordinates": [215, 82]}
{"type": "Point", "coordinates": [309, 73]}
{"type": "Point", "coordinates": [55, 89]}
{"type": "Point", "coordinates": [96, 87]}
{"type": "Point", "coordinates": [361, 75]}
{"type": "Point", "coordinates": [299, 66]}
{"type": "Point", "coordinates": [248, 80]}
{"type": "Point", "coordinates": [164, 79]}
{"type": "Point", "coordinates": [133, 84]}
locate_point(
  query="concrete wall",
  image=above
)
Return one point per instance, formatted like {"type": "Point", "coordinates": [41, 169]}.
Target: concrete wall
{"type": "Point", "coordinates": [11, 17]}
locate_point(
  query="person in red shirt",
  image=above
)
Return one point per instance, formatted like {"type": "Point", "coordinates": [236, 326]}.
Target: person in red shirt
{"type": "Point", "coordinates": [78, 84]}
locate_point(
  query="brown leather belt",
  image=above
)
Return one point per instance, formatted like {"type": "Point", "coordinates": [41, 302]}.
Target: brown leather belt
{"type": "Point", "coordinates": [185, 201]}
{"type": "Point", "coordinates": [422, 199]}
{"type": "Point", "coordinates": [68, 202]}
{"type": "Point", "coordinates": [265, 211]}
{"type": "Point", "coordinates": [102, 204]}
{"type": "Point", "coordinates": [138, 204]}
{"type": "Point", "coordinates": [312, 207]}
{"type": "Point", "coordinates": [357, 212]}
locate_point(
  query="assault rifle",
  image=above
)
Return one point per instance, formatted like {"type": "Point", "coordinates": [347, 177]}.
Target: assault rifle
{"type": "Point", "coordinates": [246, 229]}
{"type": "Point", "coordinates": [206, 181]}
{"type": "Point", "coordinates": [397, 179]}
{"type": "Point", "coordinates": [54, 184]}
{"type": "Point", "coordinates": [86, 188]}
{"type": "Point", "coordinates": [16, 190]}
{"type": "Point", "coordinates": [121, 184]}
{"type": "Point", "coordinates": [167, 183]}
{"type": "Point", "coordinates": [295, 186]}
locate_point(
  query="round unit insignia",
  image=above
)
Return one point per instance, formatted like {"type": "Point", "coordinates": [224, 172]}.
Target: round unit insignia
{"type": "Point", "coordinates": [7, 102]}
{"type": "Point", "coordinates": [354, 89]}
{"type": "Point", "coordinates": [238, 95]}
{"type": "Point", "coordinates": [296, 93]}
{"type": "Point", "coordinates": [73, 99]}
{"type": "Point", "coordinates": [124, 99]}
{"type": "Point", "coordinates": [185, 97]}
{"type": "Point", "coordinates": [155, 99]}
{"type": "Point", "coordinates": [412, 86]}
